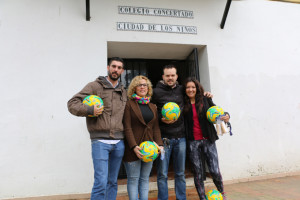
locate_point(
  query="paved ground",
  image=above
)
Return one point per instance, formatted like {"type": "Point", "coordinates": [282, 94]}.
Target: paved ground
{"type": "Point", "coordinates": [286, 188]}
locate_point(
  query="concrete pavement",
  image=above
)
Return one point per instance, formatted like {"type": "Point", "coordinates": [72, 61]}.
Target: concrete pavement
{"type": "Point", "coordinates": [285, 188]}
{"type": "Point", "coordinates": [276, 187]}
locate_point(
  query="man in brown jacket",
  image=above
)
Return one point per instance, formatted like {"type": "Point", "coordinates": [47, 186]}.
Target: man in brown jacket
{"type": "Point", "coordinates": [106, 129]}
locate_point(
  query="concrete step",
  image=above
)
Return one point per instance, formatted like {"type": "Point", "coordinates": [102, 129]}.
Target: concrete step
{"type": "Point", "coordinates": [122, 188]}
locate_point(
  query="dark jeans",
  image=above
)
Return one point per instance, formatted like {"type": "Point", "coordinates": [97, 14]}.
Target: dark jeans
{"type": "Point", "coordinates": [197, 149]}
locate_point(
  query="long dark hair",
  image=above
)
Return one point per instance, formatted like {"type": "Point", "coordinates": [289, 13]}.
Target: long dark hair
{"type": "Point", "coordinates": [198, 98]}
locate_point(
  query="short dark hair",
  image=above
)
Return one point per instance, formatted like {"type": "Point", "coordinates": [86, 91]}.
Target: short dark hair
{"type": "Point", "coordinates": [170, 66]}
{"type": "Point", "coordinates": [116, 59]}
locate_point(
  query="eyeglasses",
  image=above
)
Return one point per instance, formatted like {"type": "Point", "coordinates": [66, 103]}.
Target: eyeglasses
{"type": "Point", "coordinates": [142, 85]}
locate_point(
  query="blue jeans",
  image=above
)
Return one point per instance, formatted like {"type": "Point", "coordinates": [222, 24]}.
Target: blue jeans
{"type": "Point", "coordinates": [176, 147]}
{"type": "Point", "coordinates": [138, 173]}
{"type": "Point", "coordinates": [107, 159]}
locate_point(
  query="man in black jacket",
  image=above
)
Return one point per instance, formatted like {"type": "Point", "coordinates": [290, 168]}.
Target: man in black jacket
{"type": "Point", "coordinates": [168, 90]}
{"type": "Point", "coordinates": [172, 133]}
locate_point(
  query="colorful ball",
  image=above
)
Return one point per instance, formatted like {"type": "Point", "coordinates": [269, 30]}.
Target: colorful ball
{"type": "Point", "coordinates": [214, 112]}
{"type": "Point", "coordinates": [149, 151]}
{"type": "Point", "coordinates": [214, 195]}
{"type": "Point", "coordinates": [93, 100]}
{"type": "Point", "coordinates": [170, 111]}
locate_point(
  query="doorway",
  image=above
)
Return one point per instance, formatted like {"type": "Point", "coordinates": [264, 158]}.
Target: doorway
{"type": "Point", "coordinates": [147, 58]}
{"type": "Point", "coordinates": [153, 68]}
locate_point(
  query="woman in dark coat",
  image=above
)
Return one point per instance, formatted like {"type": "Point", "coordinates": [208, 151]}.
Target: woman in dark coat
{"type": "Point", "coordinates": [140, 124]}
{"type": "Point", "coordinates": [201, 136]}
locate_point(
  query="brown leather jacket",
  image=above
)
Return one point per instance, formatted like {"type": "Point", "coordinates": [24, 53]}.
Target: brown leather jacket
{"type": "Point", "coordinates": [137, 131]}
{"type": "Point", "coordinates": [108, 125]}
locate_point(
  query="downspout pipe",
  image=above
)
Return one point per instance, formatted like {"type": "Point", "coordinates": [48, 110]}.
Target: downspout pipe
{"type": "Point", "coordinates": [87, 6]}
{"type": "Point", "coordinates": [225, 13]}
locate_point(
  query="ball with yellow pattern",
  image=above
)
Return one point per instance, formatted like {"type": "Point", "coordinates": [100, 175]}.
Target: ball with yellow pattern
{"type": "Point", "coordinates": [214, 195]}
{"type": "Point", "coordinates": [149, 151]}
{"type": "Point", "coordinates": [170, 111]}
{"type": "Point", "coordinates": [93, 100]}
{"type": "Point", "coordinates": [214, 112]}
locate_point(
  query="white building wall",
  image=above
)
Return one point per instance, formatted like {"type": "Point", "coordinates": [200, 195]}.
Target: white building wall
{"type": "Point", "coordinates": [48, 52]}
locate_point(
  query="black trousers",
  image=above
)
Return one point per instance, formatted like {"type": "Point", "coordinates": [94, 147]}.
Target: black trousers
{"type": "Point", "coordinates": [200, 150]}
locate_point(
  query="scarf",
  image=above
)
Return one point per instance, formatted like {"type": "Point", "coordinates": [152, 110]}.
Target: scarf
{"type": "Point", "coordinates": [141, 100]}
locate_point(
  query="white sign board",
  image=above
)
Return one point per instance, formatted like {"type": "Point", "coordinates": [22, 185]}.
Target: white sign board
{"type": "Point", "coordinates": [168, 28]}
{"type": "Point", "coordinates": [164, 12]}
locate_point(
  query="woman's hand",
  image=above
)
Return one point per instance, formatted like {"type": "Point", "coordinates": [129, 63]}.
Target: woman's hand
{"type": "Point", "coordinates": [161, 148]}
{"type": "Point", "coordinates": [137, 152]}
{"type": "Point", "coordinates": [225, 118]}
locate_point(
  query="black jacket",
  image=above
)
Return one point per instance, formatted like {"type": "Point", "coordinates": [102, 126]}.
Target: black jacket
{"type": "Point", "coordinates": [208, 129]}
{"type": "Point", "coordinates": [163, 94]}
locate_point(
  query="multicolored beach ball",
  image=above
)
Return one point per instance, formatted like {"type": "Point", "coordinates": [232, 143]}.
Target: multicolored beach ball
{"type": "Point", "coordinates": [170, 111]}
{"type": "Point", "coordinates": [214, 195]}
{"type": "Point", "coordinates": [214, 112]}
{"type": "Point", "coordinates": [149, 151]}
{"type": "Point", "coordinates": [93, 100]}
